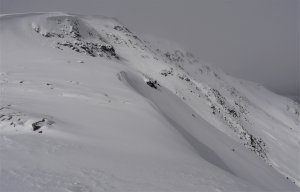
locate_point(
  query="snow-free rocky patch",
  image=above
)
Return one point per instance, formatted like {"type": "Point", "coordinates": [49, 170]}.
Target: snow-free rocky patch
{"type": "Point", "coordinates": [16, 122]}
{"type": "Point", "coordinates": [88, 105]}
{"type": "Point", "coordinates": [73, 33]}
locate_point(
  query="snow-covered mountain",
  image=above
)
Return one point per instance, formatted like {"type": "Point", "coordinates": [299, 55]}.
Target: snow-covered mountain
{"type": "Point", "coordinates": [88, 105]}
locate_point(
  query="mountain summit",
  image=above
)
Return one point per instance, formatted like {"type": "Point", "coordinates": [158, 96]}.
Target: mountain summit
{"type": "Point", "coordinates": [88, 105]}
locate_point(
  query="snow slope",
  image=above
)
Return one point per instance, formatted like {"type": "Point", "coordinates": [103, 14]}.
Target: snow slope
{"type": "Point", "coordinates": [88, 105]}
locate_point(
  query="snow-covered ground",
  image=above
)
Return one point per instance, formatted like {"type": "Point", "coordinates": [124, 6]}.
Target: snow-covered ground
{"type": "Point", "coordinates": [88, 105]}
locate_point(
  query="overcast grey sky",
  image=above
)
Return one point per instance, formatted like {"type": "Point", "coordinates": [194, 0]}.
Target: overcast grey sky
{"type": "Point", "coordinates": [256, 40]}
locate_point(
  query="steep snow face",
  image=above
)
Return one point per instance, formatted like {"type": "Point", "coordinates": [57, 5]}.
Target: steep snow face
{"type": "Point", "coordinates": [87, 105]}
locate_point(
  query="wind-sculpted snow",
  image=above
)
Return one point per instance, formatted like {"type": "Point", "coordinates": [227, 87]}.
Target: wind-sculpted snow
{"type": "Point", "coordinates": [199, 133]}
{"type": "Point", "coordinates": [88, 105]}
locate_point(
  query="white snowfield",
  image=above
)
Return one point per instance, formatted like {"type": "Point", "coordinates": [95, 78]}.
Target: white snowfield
{"type": "Point", "coordinates": [89, 106]}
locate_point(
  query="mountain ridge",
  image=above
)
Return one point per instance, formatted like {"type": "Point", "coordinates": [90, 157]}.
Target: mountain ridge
{"type": "Point", "coordinates": [205, 104]}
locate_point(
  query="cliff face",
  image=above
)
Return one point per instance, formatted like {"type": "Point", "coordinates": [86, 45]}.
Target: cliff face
{"type": "Point", "coordinates": [88, 105]}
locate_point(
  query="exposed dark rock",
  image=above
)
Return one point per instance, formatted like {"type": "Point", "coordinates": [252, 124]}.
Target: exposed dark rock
{"type": "Point", "coordinates": [37, 125]}
{"type": "Point", "coordinates": [166, 72]}
{"type": "Point", "coordinates": [118, 28]}
{"type": "Point", "coordinates": [109, 49]}
{"type": "Point", "coordinates": [152, 83]}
